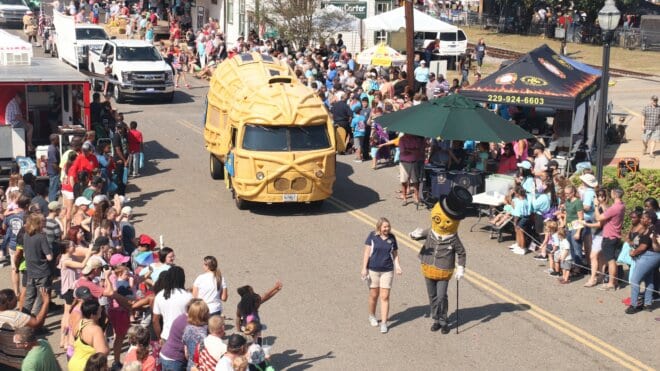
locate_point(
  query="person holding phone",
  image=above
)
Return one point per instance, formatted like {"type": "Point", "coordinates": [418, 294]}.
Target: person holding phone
{"type": "Point", "coordinates": [380, 261]}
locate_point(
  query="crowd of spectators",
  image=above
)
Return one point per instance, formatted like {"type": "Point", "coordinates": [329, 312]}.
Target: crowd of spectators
{"type": "Point", "coordinates": [74, 238]}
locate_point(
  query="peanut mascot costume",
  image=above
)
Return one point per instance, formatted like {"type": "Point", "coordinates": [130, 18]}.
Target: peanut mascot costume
{"type": "Point", "coordinates": [440, 251]}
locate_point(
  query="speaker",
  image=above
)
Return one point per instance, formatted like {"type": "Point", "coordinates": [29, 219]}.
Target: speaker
{"type": "Point", "coordinates": [440, 183]}
{"type": "Point", "coordinates": [472, 181]}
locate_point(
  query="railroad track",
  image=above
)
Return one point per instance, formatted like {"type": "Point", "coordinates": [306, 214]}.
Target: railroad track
{"type": "Point", "coordinates": [510, 54]}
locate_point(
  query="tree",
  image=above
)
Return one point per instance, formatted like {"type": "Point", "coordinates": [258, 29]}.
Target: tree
{"type": "Point", "coordinates": [303, 21]}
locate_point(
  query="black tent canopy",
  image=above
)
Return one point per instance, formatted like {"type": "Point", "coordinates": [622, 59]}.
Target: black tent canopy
{"type": "Point", "coordinates": [540, 78]}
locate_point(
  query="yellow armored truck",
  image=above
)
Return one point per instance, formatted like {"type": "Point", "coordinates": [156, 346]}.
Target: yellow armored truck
{"type": "Point", "coordinates": [269, 136]}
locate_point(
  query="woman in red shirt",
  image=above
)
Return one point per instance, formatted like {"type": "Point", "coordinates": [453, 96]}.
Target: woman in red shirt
{"type": "Point", "coordinates": [508, 162]}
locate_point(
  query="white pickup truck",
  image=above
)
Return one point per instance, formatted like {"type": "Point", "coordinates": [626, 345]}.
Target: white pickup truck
{"type": "Point", "coordinates": [12, 12]}
{"type": "Point", "coordinates": [72, 41]}
{"type": "Point", "coordinates": [136, 70]}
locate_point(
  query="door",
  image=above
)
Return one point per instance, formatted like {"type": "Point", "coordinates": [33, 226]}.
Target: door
{"type": "Point", "coordinates": [449, 43]}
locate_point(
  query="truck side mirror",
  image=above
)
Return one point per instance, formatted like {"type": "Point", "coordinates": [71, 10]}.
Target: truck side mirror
{"type": "Point", "coordinates": [113, 37]}
{"type": "Point", "coordinates": [103, 58]}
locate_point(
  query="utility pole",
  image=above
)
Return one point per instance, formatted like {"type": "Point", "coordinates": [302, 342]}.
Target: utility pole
{"type": "Point", "coordinates": [410, 47]}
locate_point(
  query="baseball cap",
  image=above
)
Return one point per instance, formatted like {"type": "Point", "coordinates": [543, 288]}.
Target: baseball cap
{"type": "Point", "coordinates": [117, 259]}
{"type": "Point", "coordinates": [126, 210]}
{"type": "Point", "coordinates": [422, 62]}
{"type": "Point", "coordinates": [590, 180]}
{"type": "Point", "coordinates": [525, 165]}
{"type": "Point", "coordinates": [83, 293]}
{"type": "Point", "coordinates": [91, 265]}
{"type": "Point", "coordinates": [54, 205]}
{"type": "Point", "coordinates": [87, 146]}
{"type": "Point", "coordinates": [538, 146]}
{"type": "Point", "coordinates": [80, 201]}
{"type": "Point", "coordinates": [146, 240]}
{"type": "Point", "coordinates": [655, 97]}
{"type": "Point", "coordinates": [99, 198]}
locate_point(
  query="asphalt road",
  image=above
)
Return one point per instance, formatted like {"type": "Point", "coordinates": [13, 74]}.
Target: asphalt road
{"type": "Point", "coordinates": [512, 314]}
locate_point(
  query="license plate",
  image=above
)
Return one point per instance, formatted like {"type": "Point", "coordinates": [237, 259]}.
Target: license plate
{"type": "Point", "coordinates": [288, 197]}
{"type": "Point", "coordinates": [150, 89]}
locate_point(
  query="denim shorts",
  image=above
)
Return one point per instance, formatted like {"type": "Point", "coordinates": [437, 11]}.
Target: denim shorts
{"type": "Point", "coordinates": [170, 365]}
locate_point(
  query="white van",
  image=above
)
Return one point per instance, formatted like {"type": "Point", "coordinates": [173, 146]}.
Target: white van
{"type": "Point", "coordinates": [451, 43]}
{"type": "Point", "coordinates": [72, 41]}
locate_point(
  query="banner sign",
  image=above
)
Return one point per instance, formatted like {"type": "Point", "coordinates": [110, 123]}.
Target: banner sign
{"type": "Point", "coordinates": [358, 9]}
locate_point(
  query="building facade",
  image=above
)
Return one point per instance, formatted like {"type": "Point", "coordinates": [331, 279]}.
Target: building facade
{"type": "Point", "coordinates": [238, 17]}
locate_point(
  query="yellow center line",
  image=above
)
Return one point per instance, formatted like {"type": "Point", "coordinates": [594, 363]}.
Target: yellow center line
{"type": "Point", "coordinates": [570, 330]}
{"type": "Point", "coordinates": [638, 115]}
{"type": "Point", "coordinates": [190, 126]}
{"type": "Point", "coordinates": [534, 310]}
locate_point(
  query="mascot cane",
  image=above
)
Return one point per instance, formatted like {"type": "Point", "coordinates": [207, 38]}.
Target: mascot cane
{"type": "Point", "coordinates": [441, 250]}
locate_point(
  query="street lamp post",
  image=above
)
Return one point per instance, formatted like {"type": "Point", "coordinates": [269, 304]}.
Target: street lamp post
{"type": "Point", "coordinates": [608, 19]}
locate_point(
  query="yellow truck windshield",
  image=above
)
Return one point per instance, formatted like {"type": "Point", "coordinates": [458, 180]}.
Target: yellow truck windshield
{"type": "Point", "coordinates": [285, 138]}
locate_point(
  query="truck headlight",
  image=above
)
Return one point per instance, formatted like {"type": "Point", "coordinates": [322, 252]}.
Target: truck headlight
{"type": "Point", "coordinates": [169, 76]}
{"type": "Point", "coordinates": [319, 173]}
{"type": "Point", "coordinates": [126, 76]}
{"type": "Point", "coordinates": [260, 175]}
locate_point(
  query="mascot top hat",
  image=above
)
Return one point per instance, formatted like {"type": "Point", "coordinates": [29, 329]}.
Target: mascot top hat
{"type": "Point", "coordinates": [455, 204]}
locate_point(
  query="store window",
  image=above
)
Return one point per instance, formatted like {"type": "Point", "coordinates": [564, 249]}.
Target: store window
{"type": "Point", "coordinates": [230, 12]}
{"type": "Point", "coordinates": [241, 17]}
{"type": "Point", "coordinates": [381, 36]}
{"type": "Point", "coordinates": [383, 6]}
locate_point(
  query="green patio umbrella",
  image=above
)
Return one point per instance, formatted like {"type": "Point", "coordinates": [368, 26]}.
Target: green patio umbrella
{"type": "Point", "coordinates": [453, 117]}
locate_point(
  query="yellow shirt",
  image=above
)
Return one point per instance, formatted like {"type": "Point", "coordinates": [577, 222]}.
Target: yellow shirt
{"type": "Point", "coordinates": [81, 351]}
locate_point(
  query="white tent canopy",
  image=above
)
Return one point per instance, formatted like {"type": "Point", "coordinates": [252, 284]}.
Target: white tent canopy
{"type": "Point", "coordinates": [395, 19]}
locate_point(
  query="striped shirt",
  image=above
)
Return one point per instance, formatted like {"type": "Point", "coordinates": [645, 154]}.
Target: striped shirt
{"type": "Point", "coordinates": [210, 353]}
{"type": "Point", "coordinates": [53, 231]}
{"type": "Point", "coordinates": [13, 111]}
{"type": "Point", "coordinates": [651, 117]}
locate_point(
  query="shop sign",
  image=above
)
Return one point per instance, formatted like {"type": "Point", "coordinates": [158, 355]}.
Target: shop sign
{"type": "Point", "coordinates": [358, 9]}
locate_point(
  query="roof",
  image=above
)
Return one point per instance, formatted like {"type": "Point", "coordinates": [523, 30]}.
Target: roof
{"type": "Point", "coordinates": [259, 89]}
{"type": "Point", "coordinates": [41, 70]}
{"type": "Point", "coordinates": [134, 43]}
{"type": "Point", "coordinates": [539, 78]}
{"type": "Point", "coordinates": [395, 19]}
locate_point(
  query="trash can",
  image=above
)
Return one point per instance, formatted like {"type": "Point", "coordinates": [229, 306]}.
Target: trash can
{"type": "Point", "coordinates": [560, 33]}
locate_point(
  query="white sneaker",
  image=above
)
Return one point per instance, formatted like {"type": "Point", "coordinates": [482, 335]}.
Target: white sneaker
{"type": "Point", "coordinates": [515, 245]}
{"type": "Point", "coordinates": [373, 321]}
{"type": "Point", "coordinates": [383, 328]}
{"type": "Point", "coordinates": [518, 251]}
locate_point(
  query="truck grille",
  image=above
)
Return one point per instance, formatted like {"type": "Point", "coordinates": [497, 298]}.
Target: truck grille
{"type": "Point", "coordinates": [291, 182]}
{"type": "Point", "coordinates": [148, 77]}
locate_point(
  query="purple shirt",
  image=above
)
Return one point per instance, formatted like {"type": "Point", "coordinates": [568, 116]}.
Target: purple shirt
{"type": "Point", "coordinates": [173, 348]}
{"type": "Point", "coordinates": [613, 217]}
{"type": "Point", "coordinates": [411, 148]}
